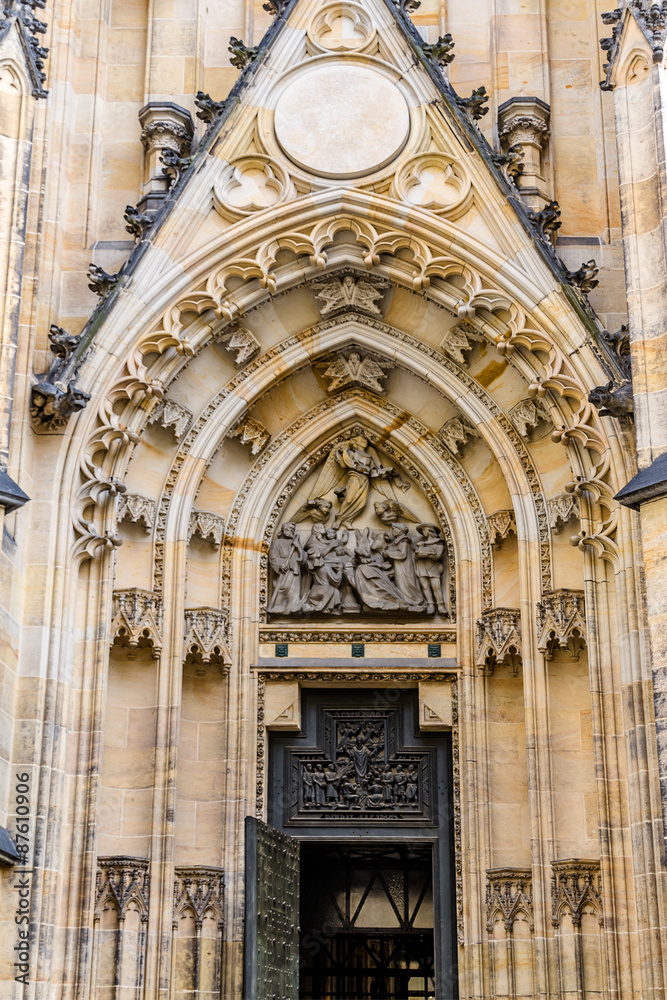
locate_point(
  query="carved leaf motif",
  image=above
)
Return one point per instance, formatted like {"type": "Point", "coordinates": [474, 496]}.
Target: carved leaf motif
{"type": "Point", "coordinates": [251, 433]}
{"type": "Point", "coordinates": [458, 339]}
{"type": "Point", "coordinates": [354, 369]}
{"type": "Point", "coordinates": [208, 526]}
{"type": "Point", "coordinates": [456, 433]}
{"type": "Point", "coordinates": [137, 621]}
{"type": "Point", "coordinates": [350, 293]}
{"type": "Point", "coordinates": [137, 508]}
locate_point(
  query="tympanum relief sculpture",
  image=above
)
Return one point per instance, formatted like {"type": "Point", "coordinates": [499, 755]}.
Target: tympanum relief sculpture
{"type": "Point", "coordinates": [348, 545]}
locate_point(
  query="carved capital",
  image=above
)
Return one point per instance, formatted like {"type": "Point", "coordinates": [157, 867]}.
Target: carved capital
{"type": "Point", "coordinates": [499, 640]}
{"type": "Point", "coordinates": [208, 526]}
{"type": "Point", "coordinates": [509, 891]}
{"type": "Point", "coordinates": [137, 508]}
{"type": "Point", "coordinates": [251, 433]}
{"type": "Point", "coordinates": [575, 883]}
{"type": "Point", "coordinates": [204, 639]}
{"type": "Point", "coordinates": [137, 621]}
{"type": "Point", "coordinates": [561, 623]}
{"type": "Point", "coordinates": [501, 525]}
{"type": "Point", "coordinates": [122, 881]}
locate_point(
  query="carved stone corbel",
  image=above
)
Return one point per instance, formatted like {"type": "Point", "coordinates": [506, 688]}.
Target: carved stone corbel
{"type": "Point", "coordinates": [499, 640]}
{"type": "Point", "coordinates": [251, 433]}
{"type": "Point", "coordinates": [459, 339]}
{"type": "Point", "coordinates": [501, 525]}
{"type": "Point", "coordinates": [561, 623]}
{"type": "Point", "coordinates": [528, 414]}
{"type": "Point", "coordinates": [524, 121]}
{"type": "Point", "coordinates": [208, 526]}
{"type": "Point", "coordinates": [562, 509]}
{"type": "Point", "coordinates": [137, 621]}
{"type": "Point", "coordinates": [171, 414]}
{"type": "Point", "coordinates": [137, 508]}
{"type": "Point", "coordinates": [204, 640]}
{"type": "Point", "coordinates": [456, 433]}
{"type": "Point", "coordinates": [244, 344]}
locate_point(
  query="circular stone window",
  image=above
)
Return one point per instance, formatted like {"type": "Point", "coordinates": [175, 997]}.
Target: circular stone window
{"type": "Point", "coordinates": [342, 121]}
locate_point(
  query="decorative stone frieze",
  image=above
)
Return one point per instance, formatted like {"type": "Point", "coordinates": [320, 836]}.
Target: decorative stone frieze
{"type": "Point", "coordinates": [169, 413]}
{"type": "Point", "coordinates": [528, 415]}
{"type": "Point", "coordinates": [204, 640]}
{"type": "Point", "coordinates": [244, 344]}
{"type": "Point", "coordinates": [501, 525]}
{"type": "Point", "coordinates": [524, 121]}
{"type": "Point", "coordinates": [508, 892]}
{"type": "Point", "coordinates": [456, 433]}
{"type": "Point", "coordinates": [499, 640]}
{"type": "Point", "coordinates": [561, 623]}
{"type": "Point", "coordinates": [562, 509]}
{"type": "Point", "coordinates": [164, 126]}
{"type": "Point", "coordinates": [133, 507]}
{"type": "Point", "coordinates": [251, 433]}
{"type": "Point", "coordinates": [200, 890]}
{"type": "Point", "coordinates": [137, 621]}
{"type": "Point", "coordinates": [459, 339]}
{"type": "Point", "coordinates": [207, 526]}
{"type": "Point", "coordinates": [122, 882]}
{"type": "Point", "coordinates": [349, 292]}
{"type": "Point", "coordinates": [353, 368]}
{"type": "Point", "coordinates": [575, 883]}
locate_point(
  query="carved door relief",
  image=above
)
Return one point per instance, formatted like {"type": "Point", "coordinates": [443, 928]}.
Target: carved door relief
{"type": "Point", "coordinates": [271, 914]}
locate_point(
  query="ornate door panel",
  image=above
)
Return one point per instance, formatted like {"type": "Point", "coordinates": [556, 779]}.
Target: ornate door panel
{"type": "Point", "coordinates": [271, 914]}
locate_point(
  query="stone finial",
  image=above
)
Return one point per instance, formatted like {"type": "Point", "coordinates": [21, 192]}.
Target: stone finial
{"type": "Point", "coordinates": [164, 125]}
{"type": "Point", "coordinates": [250, 432]}
{"type": "Point", "coordinates": [561, 509]}
{"type": "Point", "coordinates": [501, 525]}
{"type": "Point", "coordinates": [499, 640]}
{"type": "Point", "coordinates": [137, 621]}
{"type": "Point", "coordinates": [171, 414]}
{"type": "Point", "coordinates": [509, 891]}
{"type": "Point", "coordinates": [524, 121]}
{"type": "Point", "coordinates": [459, 339]}
{"type": "Point", "coordinates": [456, 433]}
{"type": "Point", "coordinates": [204, 640]}
{"type": "Point", "coordinates": [136, 508]}
{"type": "Point", "coordinates": [561, 623]}
{"type": "Point", "coordinates": [208, 526]}
{"type": "Point", "coordinates": [353, 368]}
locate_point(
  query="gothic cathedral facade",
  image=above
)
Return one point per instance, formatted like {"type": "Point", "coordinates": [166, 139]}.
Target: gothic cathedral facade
{"type": "Point", "coordinates": [333, 487]}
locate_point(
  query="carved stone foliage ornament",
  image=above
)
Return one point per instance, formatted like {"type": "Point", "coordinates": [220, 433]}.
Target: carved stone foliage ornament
{"type": "Point", "coordinates": [338, 294]}
{"type": "Point", "coordinates": [137, 621]}
{"type": "Point", "coordinates": [133, 507]}
{"type": "Point", "coordinates": [199, 890]}
{"type": "Point", "coordinates": [204, 641]}
{"type": "Point", "coordinates": [561, 509]}
{"type": "Point", "coordinates": [55, 396]}
{"type": "Point", "coordinates": [360, 772]}
{"type": "Point", "coordinates": [561, 623]}
{"type": "Point", "coordinates": [502, 524]}
{"type": "Point", "coordinates": [354, 368]}
{"type": "Point", "coordinates": [531, 418]}
{"type": "Point", "coordinates": [508, 892]}
{"type": "Point", "coordinates": [208, 526]}
{"type": "Point", "coordinates": [123, 883]}
{"type": "Point", "coordinates": [242, 342]}
{"type": "Point", "coordinates": [343, 564]}
{"type": "Point", "coordinates": [434, 181]}
{"type": "Point", "coordinates": [250, 184]}
{"type": "Point", "coordinates": [499, 640]}
{"type": "Point", "coordinates": [575, 884]}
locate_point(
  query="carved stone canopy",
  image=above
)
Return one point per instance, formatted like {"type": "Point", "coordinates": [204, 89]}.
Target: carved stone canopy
{"type": "Point", "coordinates": [358, 538]}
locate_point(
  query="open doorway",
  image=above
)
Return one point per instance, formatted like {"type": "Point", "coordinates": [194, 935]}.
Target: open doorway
{"type": "Point", "coordinates": [366, 917]}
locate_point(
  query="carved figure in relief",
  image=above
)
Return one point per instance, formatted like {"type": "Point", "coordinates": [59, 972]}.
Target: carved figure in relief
{"type": "Point", "coordinates": [373, 583]}
{"type": "Point", "coordinates": [287, 558]}
{"type": "Point", "coordinates": [429, 552]}
{"type": "Point", "coordinates": [320, 783]}
{"type": "Point", "coordinates": [326, 573]}
{"type": "Point", "coordinates": [308, 785]}
{"type": "Point", "coordinates": [332, 780]}
{"type": "Point", "coordinates": [411, 784]}
{"type": "Point", "coordinates": [400, 784]}
{"type": "Point", "coordinates": [399, 550]}
{"type": "Point", "coordinates": [344, 558]}
{"type": "Point", "coordinates": [349, 472]}
{"type": "Point", "coordinates": [387, 784]}
{"type": "Point", "coordinates": [391, 511]}
{"type": "Point", "coordinates": [317, 509]}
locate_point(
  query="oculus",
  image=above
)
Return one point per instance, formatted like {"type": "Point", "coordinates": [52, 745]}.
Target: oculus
{"type": "Point", "coordinates": [341, 121]}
